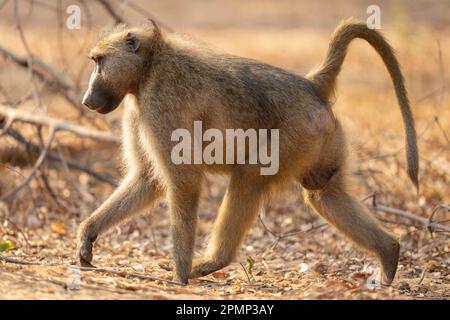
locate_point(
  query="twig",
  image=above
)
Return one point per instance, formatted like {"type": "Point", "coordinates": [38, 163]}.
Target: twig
{"type": "Point", "coordinates": [125, 274]}
{"type": "Point", "coordinates": [29, 55]}
{"type": "Point", "coordinates": [60, 79]}
{"type": "Point", "coordinates": [107, 6]}
{"type": "Point", "coordinates": [246, 273]}
{"type": "Point", "coordinates": [278, 237]}
{"type": "Point", "coordinates": [24, 262]}
{"type": "Point", "coordinates": [436, 209]}
{"type": "Point", "coordinates": [102, 270]}
{"type": "Point", "coordinates": [58, 83]}
{"type": "Point", "coordinates": [56, 124]}
{"type": "Point", "coordinates": [143, 11]}
{"type": "Point", "coordinates": [79, 189]}
{"type": "Point", "coordinates": [427, 222]}
{"type": "Point", "coordinates": [36, 166]}
{"type": "Point", "coordinates": [55, 157]}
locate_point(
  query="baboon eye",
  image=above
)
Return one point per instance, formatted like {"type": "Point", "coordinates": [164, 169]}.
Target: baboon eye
{"type": "Point", "coordinates": [98, 59]}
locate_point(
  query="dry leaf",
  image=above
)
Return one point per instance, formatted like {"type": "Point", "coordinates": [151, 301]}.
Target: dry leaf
{"type": "Point", "coordinates": [58, 228]}
{"type": "Point", "coordinates": [6, 245]}
{"type": "Point", "coordinates": [220, 275]}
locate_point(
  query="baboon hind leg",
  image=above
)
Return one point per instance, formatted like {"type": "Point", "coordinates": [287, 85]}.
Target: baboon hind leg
{"type": "Point", "coordinates": [237, 212]}
{"type": "Point", "coordinates": [355, 221]}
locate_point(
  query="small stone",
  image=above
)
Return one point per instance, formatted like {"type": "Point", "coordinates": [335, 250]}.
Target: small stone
{"type": "Point", "coordinates": [138, 267]}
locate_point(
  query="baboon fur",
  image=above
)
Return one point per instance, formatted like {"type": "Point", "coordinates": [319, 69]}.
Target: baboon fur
{"type": "Point", "coordinates": [168, 82]}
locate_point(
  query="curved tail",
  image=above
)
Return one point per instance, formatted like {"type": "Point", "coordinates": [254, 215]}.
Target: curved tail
{"type": "Point", "coordinates": [324, 77]}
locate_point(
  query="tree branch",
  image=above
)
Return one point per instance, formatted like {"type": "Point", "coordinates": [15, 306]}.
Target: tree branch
{"type": "Point", "coordinates": [56, 124]}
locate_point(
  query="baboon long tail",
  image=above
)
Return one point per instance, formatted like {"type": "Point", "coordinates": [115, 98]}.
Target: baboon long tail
{"type": "Point", "coordinates": [324, 77]}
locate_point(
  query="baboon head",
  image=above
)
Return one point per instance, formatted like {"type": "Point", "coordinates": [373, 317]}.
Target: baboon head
{"type": "Point", "coordinates": [121, 59]}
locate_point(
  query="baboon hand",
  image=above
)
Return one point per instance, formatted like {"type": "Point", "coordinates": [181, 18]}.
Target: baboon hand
{"type": "Point", "coordinates": [84, 248]}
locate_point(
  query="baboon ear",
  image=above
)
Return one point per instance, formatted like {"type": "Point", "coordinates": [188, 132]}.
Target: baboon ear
{"type": "Point", "coordinates": [157, 35]}
{"type": "Point", "coordinates": [132, 42]}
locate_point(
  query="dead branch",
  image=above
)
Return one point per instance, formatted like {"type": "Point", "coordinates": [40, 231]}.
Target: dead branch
{"type": "Point", "coordinates": [63, 82]}
{"type": "Point", "coordinates": [125, 274]}
{"type": "Point", "coordinates": [56, 83]}
{"type": "Point", "coordinates": [55, 157]}
{"type": "Point", "coordinates": [428, 223]}
{"type": "Point", "coordinates": [102, 270]}
{"type": "Point", "coordinates": [142, 11]}
{"type": "Point", "coordinates": [36, 167]}
{"type": "Point", "coordinates": [80, 190]}
{"type": "Point", "coordinates": [36, 94]}
{"type": "Point", "coordinates": [24, 262]}
{"type": "Point", "coordinates": [56, 124]}
{"type": "Point", "coordinates": [107, 6]}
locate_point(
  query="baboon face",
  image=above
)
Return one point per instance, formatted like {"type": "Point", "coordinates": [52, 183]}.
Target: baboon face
{"type": "Point", "coordinates": [117, 66]}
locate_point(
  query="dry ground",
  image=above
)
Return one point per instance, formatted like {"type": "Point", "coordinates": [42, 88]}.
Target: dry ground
{"type": "Point", "coordinates": [294, 256]}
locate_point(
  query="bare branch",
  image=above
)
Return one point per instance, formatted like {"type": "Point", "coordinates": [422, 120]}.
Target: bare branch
{"type": "Point", "coordinates": [56, 124]}
{"type": "Point", "coordinates": [57, 82]}
{"type": "Point", "coordinates": [125, 274]}
{"type": "Point", "coordinates": [55, 157]}
{"type": "Point", "coordinates": [426, 222]}
{"type": "Point", "coordinates": [149, 15]}
{"type": "Point", "coordinates": [23, 262]}
{"type": "Point", "coordinates": [35, 168]}
{"type": "Point", "coordinates": [107, 6]}
{"type": "Point", "coordinates": [36, 94]}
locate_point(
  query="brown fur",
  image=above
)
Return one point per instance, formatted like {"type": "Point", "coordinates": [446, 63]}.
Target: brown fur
{"type": "Point", "coordinates": [170, 82]}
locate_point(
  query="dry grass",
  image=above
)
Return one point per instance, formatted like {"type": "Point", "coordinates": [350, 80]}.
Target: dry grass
{"type": "Point", "coordinates": [313, 264]}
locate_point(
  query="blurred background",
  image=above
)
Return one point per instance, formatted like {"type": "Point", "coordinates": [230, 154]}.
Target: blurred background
{"type": "Point", "coordinates": [47, 189]}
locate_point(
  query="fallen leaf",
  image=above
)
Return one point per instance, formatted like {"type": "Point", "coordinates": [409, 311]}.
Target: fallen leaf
{"type": "Point", "coordinates": [6, 245]}
{"type": "Point", "coordinates": [58, 228]}
{"type": "Point", "coordinates": [220, 275]}
{"type": "Point", "coordinates": [138, 267]}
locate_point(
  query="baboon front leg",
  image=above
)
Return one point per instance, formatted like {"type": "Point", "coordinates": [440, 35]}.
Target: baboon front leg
{"type": "Point", "coordinates": [183, 201]}
{"type": "Point", "coordinates": [353, 219]}
{"type": "Point", "coordinates": [134, 194]}
{"type": "Point", "coordinates": [238, 211]}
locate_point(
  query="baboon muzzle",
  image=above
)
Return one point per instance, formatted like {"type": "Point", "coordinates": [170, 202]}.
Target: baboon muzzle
{"type": "Point", "coordinates": [100, 100]}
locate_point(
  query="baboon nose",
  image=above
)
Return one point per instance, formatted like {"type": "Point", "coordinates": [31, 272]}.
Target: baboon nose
{"type": "Point", "coordinates": [87, 103]}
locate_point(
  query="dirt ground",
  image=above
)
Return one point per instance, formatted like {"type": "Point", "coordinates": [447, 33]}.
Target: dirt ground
{"type": "Point", "coordinates": [290, 252]}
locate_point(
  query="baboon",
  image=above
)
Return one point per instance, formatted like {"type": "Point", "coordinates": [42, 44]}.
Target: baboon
{"type": "Point", "coordinates": [169, 82]}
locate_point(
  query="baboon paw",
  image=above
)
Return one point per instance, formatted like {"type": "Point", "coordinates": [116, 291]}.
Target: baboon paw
{"type": "Point", "coordinates": [389, 264]}
{"type": "Point", "coordinates": [86, 264]}
{"type": "Point", "coordinates": [202, 267]}
{"type": "Point", "coordinates": [181, 280]}
{"type": "Point", "coordinates": [84, 253]}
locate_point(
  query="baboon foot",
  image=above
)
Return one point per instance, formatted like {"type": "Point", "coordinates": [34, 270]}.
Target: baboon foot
{"type": "Point", "coordinates": [389, 263]}
{"type": "Point", "coordinates": [204, 266]}
{"type": "Point", "coordinates": [182, 280]}
{"type": "Point", "coordinates": [84, 253]}
{"type": "Point", "coordinates": [84, 247]}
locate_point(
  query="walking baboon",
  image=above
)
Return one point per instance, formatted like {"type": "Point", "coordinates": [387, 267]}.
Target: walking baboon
{"type": "Point", "coordinates": [170, 82]}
